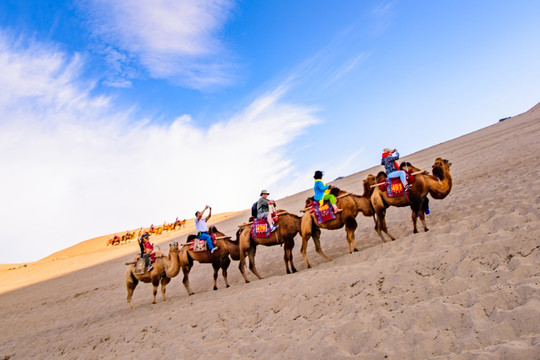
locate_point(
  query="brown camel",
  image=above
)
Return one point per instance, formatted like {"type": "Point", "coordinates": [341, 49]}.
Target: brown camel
{"type": "Point", "coordinates": [289, 226]}
{"type": "Point", "coordinates": [351, 205]}
{"type": "Point", "coordinates": [165, 268]}
{"type": "Point", "coordinates": [437, 185]}
{"type": "Point", "coordinates": [219, 259]}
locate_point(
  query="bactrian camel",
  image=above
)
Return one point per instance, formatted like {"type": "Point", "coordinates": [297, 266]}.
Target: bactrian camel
{"type": "Point", "coordinates": [437, 185]}
{"type": "Point", "coordinates": [289, 226]}
{"type": "Point", "coordinates": [219, 259]}
{"type": "Point", "coordinates": [351, 205]}
{"type": "Point", "coordinates": [165, 268]}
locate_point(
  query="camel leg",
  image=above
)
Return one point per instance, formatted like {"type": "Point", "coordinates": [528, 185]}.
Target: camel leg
{"type": "Point", "coordinates": [251, 255]}
{"type": "Point", "coordinates": [131, 284]}
{"type": "Point", "coordinates": [350, 227]}
{"type": "Point", "coordinates": [303, 249]}
{"type": "Point", "coordinates": [242, 263]}
{"type": "Point", "coordinates": [164, 282]}
{"type": "Point", "coordinates": [155, 285]}
{"type": "Point", "coordinates": [185, 280]}
{"type": "Point", "coordinates": [216, 270]}
{"type": "Point", "coordinates": [224, 266]}
{"type": "Point", "coordinates": [423, 220]}
{"type": "Point", "coordinates": [316, 233]}
{"type": "Point", "coordinates": [286, 260]}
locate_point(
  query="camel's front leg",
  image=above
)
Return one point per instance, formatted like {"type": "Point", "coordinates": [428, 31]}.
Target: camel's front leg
{"type": "Point", "coordinates": [185, 280]}
{"type": "Point", "coordinates": [225, 262]}
{"type": "Point", "coordinates": [164, 282]}
{"type": "Point", "coordinates": [317, 241]}
{"type": "Point", "coordinates": [251, 255]}
{"type": "Point", "coordinates": [350, 227]}
{"type": "Point", "coordinates": [243, 254]}
{"type": "Point", "coordinates": [155, 284]}
{"type": "Point", "coordinates": [303, 248]}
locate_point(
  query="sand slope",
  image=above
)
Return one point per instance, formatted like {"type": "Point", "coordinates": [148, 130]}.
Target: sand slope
{"type": "Point", "coordinates": [467, 289]}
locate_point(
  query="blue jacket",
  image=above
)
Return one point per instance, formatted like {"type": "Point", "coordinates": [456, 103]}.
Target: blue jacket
{"type": "Point", "coordinates": [319, 189]}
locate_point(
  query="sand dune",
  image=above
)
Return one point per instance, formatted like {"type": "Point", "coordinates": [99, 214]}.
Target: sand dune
{"type": "Point", "coordinates": [467, 289]}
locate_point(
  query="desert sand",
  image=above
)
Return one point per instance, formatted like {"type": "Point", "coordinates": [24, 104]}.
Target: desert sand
{"type": "Point", "coordinates": [466, 289]}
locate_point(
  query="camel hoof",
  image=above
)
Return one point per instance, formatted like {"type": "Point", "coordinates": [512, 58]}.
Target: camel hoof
{"type": "Point", "coordinates": [355, 250]}
{"type": "Point", "coordinates": [153, 302]}
{"type": "Point", "coordinates": [288, 271]}
{"type": "Point", "coordinates": [426, 229]}
{"type": "Point", "coordinates": [228, 285]}
{"type": "Point", "coordinates": [415, 231]}
{"type": "Point", "coordinates": [215, 287]}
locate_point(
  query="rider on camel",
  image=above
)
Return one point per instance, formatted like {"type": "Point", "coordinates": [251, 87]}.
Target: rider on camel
{"type": "Point", "coordinates": [322, 191]}
{"type": "Point", "coordinates": [391, 167]}
{"type": "Point", "coordinates": [202, 228]}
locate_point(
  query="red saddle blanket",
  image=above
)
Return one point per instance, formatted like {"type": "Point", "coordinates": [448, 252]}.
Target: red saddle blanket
{"type": "Point", "coordinates": [200, 245]}
{"type": "Point", "coordinates": [260, 229]}
{"type": "Point", "coordinates": [324, 212]}
{"type": "Point", "coordinates": [394, 187]}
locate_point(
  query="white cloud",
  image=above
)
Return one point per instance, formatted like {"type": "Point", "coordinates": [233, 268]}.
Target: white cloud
{"type": "Point", "coordinates": [75, 167]}
{"type": "Point", "coordinates": [175, 40]}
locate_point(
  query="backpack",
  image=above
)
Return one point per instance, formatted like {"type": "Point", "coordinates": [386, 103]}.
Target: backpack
{"type": "Point", "coordinates": [254, 210]}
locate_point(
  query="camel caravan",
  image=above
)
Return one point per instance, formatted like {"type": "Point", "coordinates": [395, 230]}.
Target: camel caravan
{"type": "Point", "coordinates": [152, 230]}
{"type": "Point", "coordinates": [331, 208]}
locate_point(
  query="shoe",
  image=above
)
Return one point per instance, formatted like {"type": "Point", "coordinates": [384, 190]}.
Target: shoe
{"type": "Point", "coordinates": [214, 250]}
{"type": "Point", "coordinates": [407, 187]}
{"type": "Point", "coordinates": [273, 228]}
{"type": "Point", "coordinates": [150, 268]}
{"type": "Point", "coordinates": [337, 211]}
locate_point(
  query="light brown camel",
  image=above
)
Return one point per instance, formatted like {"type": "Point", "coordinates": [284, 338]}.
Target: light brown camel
{"type": "Point", "coordinates": [437, 185]}
{"type": "Point", "coordinates": [165, 268]}
{"type": "Point", "coordinates": [351, 205]}
{"type": "Point", "coordinates": [289, 226]}
{"type": "Point", "coordinates": [219, 259]}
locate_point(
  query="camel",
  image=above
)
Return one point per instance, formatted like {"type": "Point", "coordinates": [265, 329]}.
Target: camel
{"type": "Point", "coordinates": [219, 259]}
{"type": "Point", "coordinates": [165, 268]}
{"type": "Point", "coordinates": [351, 205]}
{"type": "Point", "coordinates": [437, 185]}
{"type": "Point", "coordinates": [289, 226]}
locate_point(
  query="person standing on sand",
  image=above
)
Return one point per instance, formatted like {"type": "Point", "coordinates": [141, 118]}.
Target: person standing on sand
{"type": "Point", "coordinates": [202, 228]}
{"type": "Point", "coordinates": [392, 168]}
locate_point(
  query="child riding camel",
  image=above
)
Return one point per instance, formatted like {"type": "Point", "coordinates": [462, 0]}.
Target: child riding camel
{"type": "Point", "coordinates": [392, 168]}
{"type": "Point", "coordinates": [322, 191]}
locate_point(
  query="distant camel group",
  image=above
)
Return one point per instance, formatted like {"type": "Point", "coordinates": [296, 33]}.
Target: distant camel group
{"type": "Point", "coordinates": [152, 230]}
{"type": "Point", "coordinates": [372, 203]}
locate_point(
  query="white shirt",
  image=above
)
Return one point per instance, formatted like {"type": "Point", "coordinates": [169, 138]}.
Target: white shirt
{"type": "Point", "coordinates": [200, 225]}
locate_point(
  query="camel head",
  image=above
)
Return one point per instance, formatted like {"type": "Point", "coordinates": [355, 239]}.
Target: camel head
{"type": "Point", "coordinates": [335, 191]}
{"type": "Point", "coordinates": [370, 180]}
{"type": "Point", "coordinates": [173, 246]}
{"type": "Point", "coordinates": [440, 167]}
{"type": "Point", "coordinates": [381, 176]}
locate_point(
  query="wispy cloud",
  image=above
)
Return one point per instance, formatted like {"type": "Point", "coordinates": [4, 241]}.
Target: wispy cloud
{"type": "Point", "coordinates": [74, 166]}
{"type": "Point", "coordinates": [174, 40]}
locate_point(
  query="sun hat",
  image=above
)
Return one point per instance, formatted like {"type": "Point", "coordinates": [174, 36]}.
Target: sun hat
{"type": "Point", "coordinates": [387, 150]}
{"type": "Point", "coordinates": [264, 192]}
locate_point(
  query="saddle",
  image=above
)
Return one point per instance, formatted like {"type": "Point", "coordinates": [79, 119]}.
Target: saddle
{"type": "Point", "coordinates": [140, 264]}
{"type": "Point", "coordinates": [200, 245]}
{"type": "Point", "coordinates": [323, 213]}
{"type": "Point", "coordinates": [260, 229]}
{"type": "Point", "coordinates": [394, 187]}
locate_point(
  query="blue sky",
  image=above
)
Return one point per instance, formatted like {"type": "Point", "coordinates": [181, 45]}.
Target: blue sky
{"type": "Point", "coordinates": [119, 114]}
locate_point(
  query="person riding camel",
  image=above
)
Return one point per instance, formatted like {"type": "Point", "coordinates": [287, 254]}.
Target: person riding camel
{"type": "Point", "coordinates": [147, 250]}
{"type": "Point", "coordinates": [202, 228]}
{"type": "Point", "coordinates": [263, 211]}
{"type": "Point", "coordinates": [391, 167]}
{"type": "Point", "coordinates": [322, 191]}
